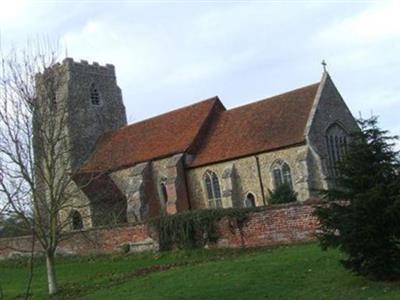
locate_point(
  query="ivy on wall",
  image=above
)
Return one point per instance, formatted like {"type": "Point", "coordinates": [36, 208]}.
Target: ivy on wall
{"type": "Point", "coordinates": [196, 228]}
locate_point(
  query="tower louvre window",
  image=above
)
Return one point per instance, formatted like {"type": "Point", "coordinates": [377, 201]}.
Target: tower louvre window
{"type": "Point", "coordinates": [94, 95]}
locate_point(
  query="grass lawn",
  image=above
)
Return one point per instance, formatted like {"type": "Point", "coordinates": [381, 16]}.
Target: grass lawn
{"type": "Point", "coordinates": [295, 272]}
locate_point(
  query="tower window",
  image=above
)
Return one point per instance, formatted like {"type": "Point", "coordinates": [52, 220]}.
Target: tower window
{"type": "Point", "coordinates": [213, 190]}
{"type": "Point", "coordinates": [94, 95]}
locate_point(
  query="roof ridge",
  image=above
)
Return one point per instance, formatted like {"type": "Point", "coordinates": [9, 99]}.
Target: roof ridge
{"type": "Point", "coordinates": [274, 96]}
{"type": "Point", "coordinates": [211, 99]}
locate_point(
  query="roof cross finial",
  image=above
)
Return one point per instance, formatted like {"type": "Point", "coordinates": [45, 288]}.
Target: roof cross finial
{"type": "Point", "coordinates": [324, 64]}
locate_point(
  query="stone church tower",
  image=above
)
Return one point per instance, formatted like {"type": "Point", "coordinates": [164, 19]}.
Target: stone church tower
{"type": "Point", "coordinates": [89, 97]}
{"type": "Point", "coordinates": [94, 103]}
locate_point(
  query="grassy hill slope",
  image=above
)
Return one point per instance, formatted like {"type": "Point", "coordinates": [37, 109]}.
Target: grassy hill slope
{"type": "Point", "coordinates": [295, 272]}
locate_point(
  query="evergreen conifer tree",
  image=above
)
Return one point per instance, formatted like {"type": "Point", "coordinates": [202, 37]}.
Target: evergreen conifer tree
{"type": "Point", "coordinates": [362, 215]}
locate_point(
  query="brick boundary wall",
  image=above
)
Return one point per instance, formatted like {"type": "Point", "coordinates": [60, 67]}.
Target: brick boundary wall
{"type": "Point", "coordinates": [276, 225]}
{"type": "Point", "coordinates": [273, 225]}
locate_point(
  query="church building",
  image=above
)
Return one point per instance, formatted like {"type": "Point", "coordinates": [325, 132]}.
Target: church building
{"type": "Point", "coordinates": [204, 155]}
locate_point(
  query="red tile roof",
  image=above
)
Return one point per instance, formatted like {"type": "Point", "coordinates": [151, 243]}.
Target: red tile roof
{"type": "Point", "coordinates": [209, 131]}
{"type": "Point", "coordinates": [261, 126]}
{"type": "Point", "coordinates": [157, 137]}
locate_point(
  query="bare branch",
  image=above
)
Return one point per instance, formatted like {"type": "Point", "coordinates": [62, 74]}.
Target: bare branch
{"type": "Point", "coordinates": [36, 182]}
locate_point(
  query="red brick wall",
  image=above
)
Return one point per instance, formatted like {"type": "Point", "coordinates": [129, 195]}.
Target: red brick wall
{"type": "Point", "coordinates": [283, 224]}
{"type": "Point", "coordinates": [99, 240]}
{"type": "Point", "coordinates": [274, 225]}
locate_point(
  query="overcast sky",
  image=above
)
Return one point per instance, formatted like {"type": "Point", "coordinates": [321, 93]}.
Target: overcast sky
{"type": "Point", "coordinates": [173, 53]}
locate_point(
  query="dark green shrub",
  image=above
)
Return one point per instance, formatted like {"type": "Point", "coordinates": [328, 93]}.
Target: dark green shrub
{"type": "Point", "coordinates": [282, 194]}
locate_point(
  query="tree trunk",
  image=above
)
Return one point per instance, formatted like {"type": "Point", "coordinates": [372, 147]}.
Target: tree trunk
{"type": "Point", "coordinates": [51, 273]}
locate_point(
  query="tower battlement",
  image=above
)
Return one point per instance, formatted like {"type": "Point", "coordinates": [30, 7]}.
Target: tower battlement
{"type": "Point", "coordinates": [86, 67]}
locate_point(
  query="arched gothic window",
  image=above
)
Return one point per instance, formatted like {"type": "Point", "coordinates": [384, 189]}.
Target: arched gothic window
{"type": "Point", "coordinates": [94, 95]}
{"type": "Point", "coordinates": [213, 190]}
{"type": "Point", "coordinates": [281, 174]}
{"type": "Point", "coordinates": [76, 220]}
{"type": "Point", "coordinates": [336, 142]}
{"type": "Point", "coordinates": [250, 200]}
{"type": "Point", "coordinates": [164, 193]}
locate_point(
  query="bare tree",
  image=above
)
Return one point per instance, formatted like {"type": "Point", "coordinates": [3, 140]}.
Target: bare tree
{"type": "Point", "coordinates": [35, 174]}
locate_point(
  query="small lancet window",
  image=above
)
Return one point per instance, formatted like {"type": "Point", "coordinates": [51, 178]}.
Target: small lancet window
{"type": "Point", "coordinates": [94, 95]}
{"type": "Point", "coordinates": [164, 193]}
{"type": "Point", "coordinates": [76, 220]}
